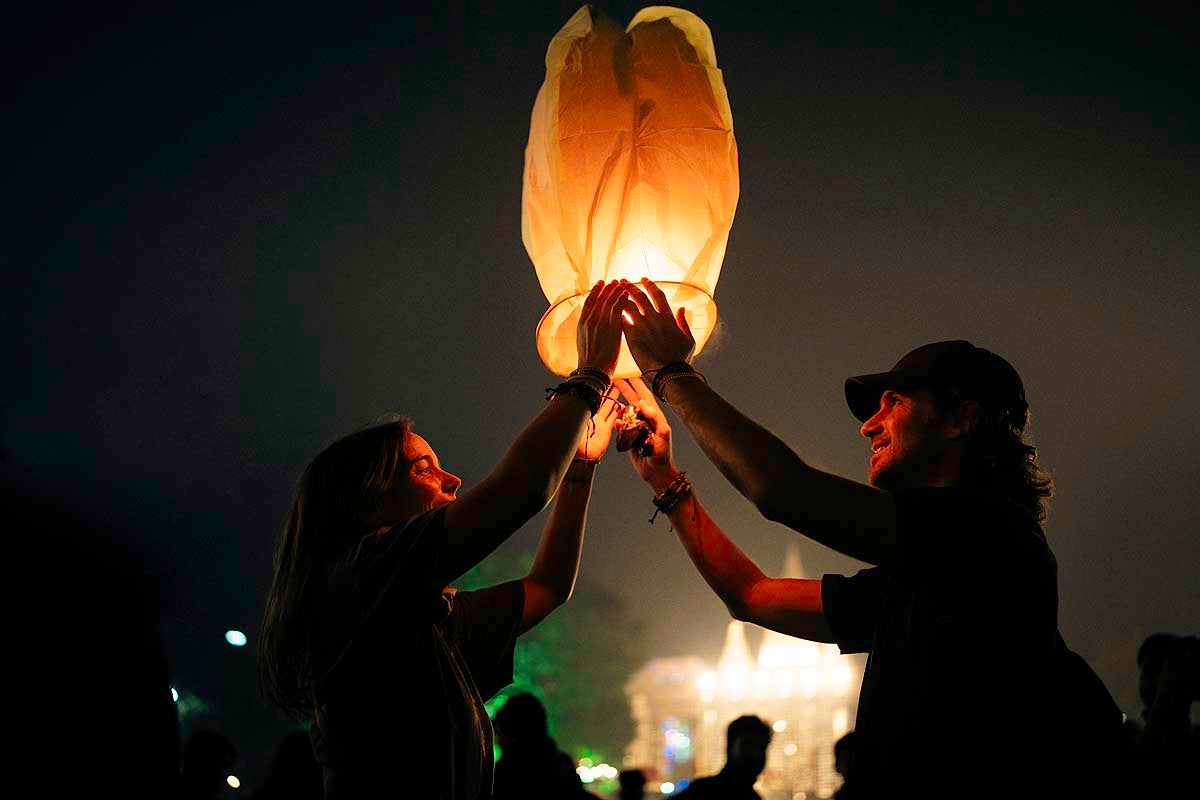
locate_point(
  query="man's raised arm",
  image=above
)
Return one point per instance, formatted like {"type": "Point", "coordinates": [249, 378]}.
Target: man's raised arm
{"type": "Point", "coordinates": [791, 606]}
{"type": "Point", "coordinates": [852, 518]}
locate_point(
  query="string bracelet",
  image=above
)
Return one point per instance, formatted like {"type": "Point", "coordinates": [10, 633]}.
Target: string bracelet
{"type": "Point", "coordinates": [670, 497]}
{"type": "Point", "coordinates": [672, 372]}
{"type": "Point", "coordinates": [583, 388]}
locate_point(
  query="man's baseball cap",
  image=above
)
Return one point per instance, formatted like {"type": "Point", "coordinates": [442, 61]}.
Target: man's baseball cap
{"type": "Point", "coordinates": [979, 374]}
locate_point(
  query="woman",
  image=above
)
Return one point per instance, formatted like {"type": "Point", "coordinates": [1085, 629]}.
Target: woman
{"type": "Point", "coordinates": [360, 634]}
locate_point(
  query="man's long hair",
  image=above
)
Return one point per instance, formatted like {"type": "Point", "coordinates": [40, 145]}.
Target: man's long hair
{"type": "Point", "coordinates": [340, 486]}
{"type": "Point", "coordinates": [997, 455]}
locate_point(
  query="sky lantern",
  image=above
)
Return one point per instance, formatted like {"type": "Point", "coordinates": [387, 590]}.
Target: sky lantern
{"type": "Point", "coordinates": [631, 170]}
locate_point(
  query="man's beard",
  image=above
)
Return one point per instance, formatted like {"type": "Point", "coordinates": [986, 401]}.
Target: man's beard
{"type": "Point", "coordinates": [909, 471]}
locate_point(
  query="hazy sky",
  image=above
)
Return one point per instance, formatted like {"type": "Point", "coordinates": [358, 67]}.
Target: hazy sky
{"type": "Point", "coordinates": [242, 234]}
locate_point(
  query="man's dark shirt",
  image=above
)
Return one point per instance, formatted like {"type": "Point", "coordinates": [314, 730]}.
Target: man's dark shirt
{"type": "Point", "coordinates": [961, 632]}
{"type": "Point", "coordinates": [725, 785]}
{"type": "Point", "coordinates": [404, 670]}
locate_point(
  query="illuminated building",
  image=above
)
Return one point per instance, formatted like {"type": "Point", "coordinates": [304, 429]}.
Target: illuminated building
{"type": "Point", "coordinates": [806, 691]}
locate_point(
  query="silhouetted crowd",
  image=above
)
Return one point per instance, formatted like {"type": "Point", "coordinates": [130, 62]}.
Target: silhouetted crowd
{"type": "Point", "coordinates": [1157, 757]}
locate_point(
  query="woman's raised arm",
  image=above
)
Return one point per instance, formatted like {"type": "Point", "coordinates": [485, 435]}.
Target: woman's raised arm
{"type": "Point", "coordinates": [528, 476]}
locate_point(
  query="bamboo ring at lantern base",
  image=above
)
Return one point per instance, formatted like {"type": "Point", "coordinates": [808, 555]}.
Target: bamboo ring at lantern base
{"type": "Point", "coordinates": [555, 333]}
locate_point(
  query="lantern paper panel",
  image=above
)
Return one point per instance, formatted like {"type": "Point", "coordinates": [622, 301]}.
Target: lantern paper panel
{"type": "Point", "coordinates": [631, 170]}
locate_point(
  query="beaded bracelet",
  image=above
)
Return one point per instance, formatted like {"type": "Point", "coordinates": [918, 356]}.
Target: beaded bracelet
{"type": "Point", "coordinates": [672, 372]}
{"type": "Point", "coordinates": [593, 372]}
{"type": "Point", "coordinates": [671, 496]}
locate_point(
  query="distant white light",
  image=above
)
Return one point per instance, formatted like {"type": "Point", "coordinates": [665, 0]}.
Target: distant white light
{"type": "Point", "coordinates": [840, 722]}
{"type": "Point", "coordinates": [235, 638]}
{"type": "Point", "coordinates": [174, 695]}
{"type": "Point", "coordinates": [790, 750]}
{"type": "Point", "coordinates": [667, 787]}
{"type": "Point", "coordinates": [233, 781]}
{"type": "Point", "coordinates": [780, 725]}
{"type": "Point", "coordinates": [841, 675]}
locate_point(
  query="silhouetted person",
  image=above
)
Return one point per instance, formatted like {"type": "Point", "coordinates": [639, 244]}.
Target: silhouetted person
{"type": "Point", "coordinates": [294, 773]}
{"type": "Point", "coordinates": [1166, 745]}
{"type": "Point", "coordinates": [89, 697]}
{"type": "Point", "coordinates": [209, 758]}
{"type": "Point", "coordinates": [531, 766]}
{"type": "Point", "coordinates": [959, 616]}
{"type": "Point", "coordinates": [843, 754]}
{"type": "Point", "coordinates": [746, 741]}
{"type": "Point", "coordinates": [633, 785]}
{"type": "Point", "coordinates": [361, 634]}
{"type": "Point", "coordinates": [1083, 723]}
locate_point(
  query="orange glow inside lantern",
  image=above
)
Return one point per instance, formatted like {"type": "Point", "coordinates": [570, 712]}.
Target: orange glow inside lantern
{"type": "Point", "coordinates": [631, 170]}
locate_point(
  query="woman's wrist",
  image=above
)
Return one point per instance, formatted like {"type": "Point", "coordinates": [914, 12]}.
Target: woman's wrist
{"type": "Point", "coordinates": [581, 470]}
{"type": "Point", "coordinates": [660, 480]}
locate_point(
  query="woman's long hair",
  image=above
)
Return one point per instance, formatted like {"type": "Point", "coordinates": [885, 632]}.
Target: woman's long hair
{"type": "Point", "coordinates": [997, 455]}
{"type": "Point", "coordinates": [340, 486]}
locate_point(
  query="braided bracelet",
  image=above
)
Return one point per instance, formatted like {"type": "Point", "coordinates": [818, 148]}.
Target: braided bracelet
{"type": "Point", "coordinates": [582, 388]}
{"type": "Point", "coordinates": [671, 496]}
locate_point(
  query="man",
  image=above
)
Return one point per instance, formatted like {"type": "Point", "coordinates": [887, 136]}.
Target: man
{"type": "Point", "coordinates": [746, 741]}
{"type": "Point", "coordinates": [959, 616]}
{"type": "Point", "coordinates": [632, 784]}
{"type": "Point", "coordinates": [1165, 746]}
{"type": "Point", "coordinates": [531, 766]}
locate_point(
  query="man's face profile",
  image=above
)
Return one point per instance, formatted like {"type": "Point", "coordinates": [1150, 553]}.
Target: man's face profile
{"type": "Point", "coordinates": [906, 439]}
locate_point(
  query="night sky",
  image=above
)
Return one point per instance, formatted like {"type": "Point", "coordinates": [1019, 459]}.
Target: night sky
{"type": "Point", "coordinates": [241, 234]}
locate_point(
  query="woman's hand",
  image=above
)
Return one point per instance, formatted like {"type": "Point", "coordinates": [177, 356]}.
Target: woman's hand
{"type": "Point", "coordinates": [658, 468]}
{"type": "Point", "coordinates": [599, 431]}
{"type": "Point", "coordinates": [656, 337]}
{"type": "Point", "coordinates": [598, 335]}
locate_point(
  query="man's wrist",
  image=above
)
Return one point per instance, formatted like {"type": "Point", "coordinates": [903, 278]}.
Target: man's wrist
{"type": "Point", "coordinates": [675, 372]}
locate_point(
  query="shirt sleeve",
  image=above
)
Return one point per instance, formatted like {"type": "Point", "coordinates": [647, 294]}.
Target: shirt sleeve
{"type": "Point", "coordinates": [405, 562]}
{"type": "Point", "coordinates": [853, 605]}
{"type": "Point", "coordinates": [483, 623]}
{"type": "Point", "coordinates": [385, 585]}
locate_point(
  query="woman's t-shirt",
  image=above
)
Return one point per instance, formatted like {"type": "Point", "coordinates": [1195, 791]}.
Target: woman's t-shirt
{"type": "Point", "coordinates": [403, 667]}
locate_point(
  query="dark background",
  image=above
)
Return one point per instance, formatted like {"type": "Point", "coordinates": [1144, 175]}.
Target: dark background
{"type": "Point", "coordinates": [240, 233]}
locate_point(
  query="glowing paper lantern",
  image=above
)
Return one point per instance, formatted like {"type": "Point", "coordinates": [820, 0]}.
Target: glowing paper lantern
{"type": "Point", "coordinates": [631, 170]}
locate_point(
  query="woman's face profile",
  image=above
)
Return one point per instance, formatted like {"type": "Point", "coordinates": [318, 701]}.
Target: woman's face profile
{"type": "Point", "coordinates": [424, 487]}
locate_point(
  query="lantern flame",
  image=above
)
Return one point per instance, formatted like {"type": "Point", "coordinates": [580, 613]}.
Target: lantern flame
{"type": "Point", "coordinates": [630, 171]}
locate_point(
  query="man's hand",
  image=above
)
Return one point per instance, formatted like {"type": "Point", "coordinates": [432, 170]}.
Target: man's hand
{"type": "Point", "coordinates": [658, 468]}
{"type": "Point", "coordinates": [656, 337]}
{"type": "Point", "coordinates": [599, 431]}
{"type": "Point", "coordinates": [598, 335]}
